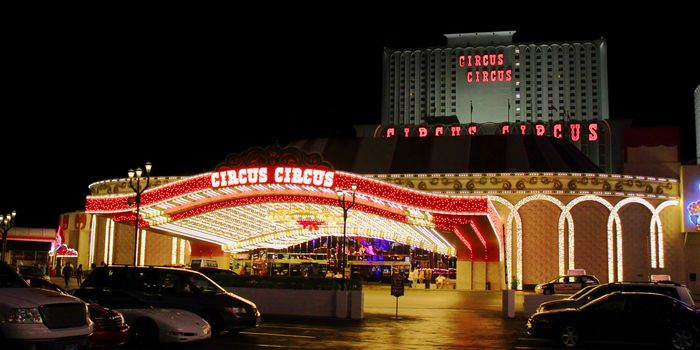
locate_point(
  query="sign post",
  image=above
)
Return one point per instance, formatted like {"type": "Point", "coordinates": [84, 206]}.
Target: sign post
{"type": "Point", "coordinates": [397, 289]}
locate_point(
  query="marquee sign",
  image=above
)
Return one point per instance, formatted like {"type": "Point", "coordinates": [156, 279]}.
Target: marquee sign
{"type": "Point", "coordinates": [491, 65]}
{"type": "Point", "coordinates": [273, 166]}
{"type": "Point", "coordinates": [690, 179]}
{"type": "Point", "coordinates": [574, 131]}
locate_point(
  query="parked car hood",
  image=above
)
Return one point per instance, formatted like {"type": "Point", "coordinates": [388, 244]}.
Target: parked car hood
{"type": "Point", "coordinates": [175, 318]}
{"type": "Point", "coordinates": [561, 304]}
{"type": "Point", "coordinates": [33, 297]}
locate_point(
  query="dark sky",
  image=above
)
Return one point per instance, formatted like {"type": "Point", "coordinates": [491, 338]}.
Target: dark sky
{"type": "Point", "coordinates": [85, 100]}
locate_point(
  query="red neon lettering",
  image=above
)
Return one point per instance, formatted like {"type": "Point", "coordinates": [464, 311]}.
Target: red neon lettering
{"type": "Point", "coordinates": [492, 59]}
{"type": "Point", "coordinates": [500, 59]}
{"type": "Point", "coordinates": [389, 132]}
{"type": "Point", "coordinates": [485, 60]}
{"type": "Point", "coordinates": [215, 182]}
{"type": "Point", "coordinates": [539, 130]}
{"type": "Point", "coordinates": [328, 179]}
{"type": "Point", "coordinates": [232, 178]}
{"type": "Point", "coordinates": [422, 132]}
{"type": "Point", "coordinates": [243, 176]}
{"type": "Point", "coordinates": [505, 129]}
{"type": "Point", "coordinates": [493, 75]}
{"type": "Point", "coordinates": [485, 78]}
{"type": "Point", "coordinates": [556, 132]}
{"type": "Point", "coordinates": [470, 77]}
{"type": "Point", "coordinates": [477, 60]}
{"type": "Point", "coordinates": [469, 61]}
{"type": "Point", "coordinates": [461, 61]}
{"type": "Point", "coordinates": [406, 131]}
{"type": "Point", "coordinates": [509, 74]}
{"type": "Point", "coordinates": [262, 173]}
{"type": "Point", "coordinates": [472, 130]}
{"type": "Point", "coordinates": [575, 131]}
{"type": "Point", "coordinates": [456, 130]}
{"type": "Point", "coordinates": [593, 132]}
{"type": "Point", "coordinates": [307, 176]}
{"type": "Point", "coordinates": [439, 131]}
{"type": "Point", "coordinates": [523, 129]}
{"type": "Point", "coordinates": [500, 75]}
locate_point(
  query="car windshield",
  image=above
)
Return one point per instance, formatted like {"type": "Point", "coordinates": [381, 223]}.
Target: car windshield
{"type": "Point", "coordinates": [581, 292]}
{"type": "Point", "coordinates": [9, 278]}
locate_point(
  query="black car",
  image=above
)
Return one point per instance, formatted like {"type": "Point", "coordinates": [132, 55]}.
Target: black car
{"type": "Point", "coordinates": [220, 276]}
{"type": "Point", "coordinates": [175, 289]}
{"type": "Point", "coordinates": [619, 316]}
{"type": "Point", "coordinates": [590, 293]}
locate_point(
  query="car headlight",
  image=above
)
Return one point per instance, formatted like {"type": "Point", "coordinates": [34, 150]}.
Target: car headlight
{"type": "Point", "coordinates": [24, 315]}
{"type": "Point", "coordinates": [234, 310]}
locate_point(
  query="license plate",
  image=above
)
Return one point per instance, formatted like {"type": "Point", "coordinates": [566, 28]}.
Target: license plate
{"type": "Point", "coordinates": [73, 346]}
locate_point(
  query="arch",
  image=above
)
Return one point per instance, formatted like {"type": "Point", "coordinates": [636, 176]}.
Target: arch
{"type": "Point", "coordinates": [656, 219]}
{"type": "Point", "coordinates": [569, 219]}
{"type": "Point", "coordinates": [519, 227]}
{"type": "Point", "coordinates": [508, 233]}
{"type": "Point", "coordinates": [614, 217]}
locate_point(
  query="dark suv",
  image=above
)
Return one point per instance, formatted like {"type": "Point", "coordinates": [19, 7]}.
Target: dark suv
{"type": "Point", "coordinates": [175, 289]}
{"type": "Point", "coordinates": [674, 290]}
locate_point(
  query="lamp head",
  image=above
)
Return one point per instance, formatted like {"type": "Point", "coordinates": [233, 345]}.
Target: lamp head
{"type": "Point", "coordinates": [131, 173]}
{"type": "Point", "coordinates": [148, 168]}
{"type": "Point", "coordinates": [138, 172]}
{"type": "Point", "coordinates": [354, 187]}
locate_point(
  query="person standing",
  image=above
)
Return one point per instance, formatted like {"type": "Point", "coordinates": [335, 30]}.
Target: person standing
{"type": "Point", "coordinates": [67, 273]}
{"type": "Point", "coordinates": [79, 274]}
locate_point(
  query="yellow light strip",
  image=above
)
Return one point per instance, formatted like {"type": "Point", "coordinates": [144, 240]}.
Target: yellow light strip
{"type": "Point", "coordinates": [93, 228]}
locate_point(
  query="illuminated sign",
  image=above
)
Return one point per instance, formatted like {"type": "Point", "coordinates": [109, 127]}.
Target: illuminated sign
{"type": "Point", "coordinates": [574, 131]}
{"type": "Point", "coordinates": [690, 180]}
{"type": "Point", "coordinates": [485, 62]}
{"type": "Point", "coordinates": [272, 175]}
{"type": "Point", "coordinates": [273, 165]}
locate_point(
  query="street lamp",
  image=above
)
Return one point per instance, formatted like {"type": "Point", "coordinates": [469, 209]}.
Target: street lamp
{"type": "Point", "coordinates": [6, 223]}
{"type": "Point", "coordinates": [135, 184]}
{"type": "Point", "coordinates": [345, 205]}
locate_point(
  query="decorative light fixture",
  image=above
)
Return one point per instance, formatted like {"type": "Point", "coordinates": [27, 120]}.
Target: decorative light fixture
{"type": "Point", "coordinates": [135, 184]}
{"type": "Point", "coordinates": [345, 205]}
{"type": "Point", "coordinates": [6, 223]}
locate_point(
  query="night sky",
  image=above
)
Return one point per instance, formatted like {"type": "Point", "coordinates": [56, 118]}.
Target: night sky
{"type": "Point", "coordinates": [86, 100]}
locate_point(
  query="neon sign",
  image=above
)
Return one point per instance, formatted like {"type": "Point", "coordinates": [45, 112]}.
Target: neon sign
{"type": "Point", "coordinates": [274, 175]}
{"type": "Point", "coordinates": [486, 75]}
{"type": "Point", "coordinates": [575, 131]}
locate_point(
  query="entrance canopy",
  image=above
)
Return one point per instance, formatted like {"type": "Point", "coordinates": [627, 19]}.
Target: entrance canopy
{"type": "Point", "coordinates": [276, 198]}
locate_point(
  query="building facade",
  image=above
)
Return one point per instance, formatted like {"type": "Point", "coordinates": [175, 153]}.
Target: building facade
{"type": "Point", "coordinates": [487, 78]}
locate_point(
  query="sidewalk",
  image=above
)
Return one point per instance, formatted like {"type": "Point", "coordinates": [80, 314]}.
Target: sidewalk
{"type": "Point", "coordinates": [59, 281]}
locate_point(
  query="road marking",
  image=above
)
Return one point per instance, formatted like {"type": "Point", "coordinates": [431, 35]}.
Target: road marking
{"type": "Point", "coordinates": [279, 335]}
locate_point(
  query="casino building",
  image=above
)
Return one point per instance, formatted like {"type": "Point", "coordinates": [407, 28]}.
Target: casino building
{"type": "Point", "coordinates": [488, 78]}
{"type": "Point", "coordinates": [511, 201]}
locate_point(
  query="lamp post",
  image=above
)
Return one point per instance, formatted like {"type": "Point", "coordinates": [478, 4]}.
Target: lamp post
{"type": "Point", "coordinates": [6, 223]}
{"type": "Point", "coordinates": [135, 184]}
{"type": "Point", "coordinates": [345, 205]}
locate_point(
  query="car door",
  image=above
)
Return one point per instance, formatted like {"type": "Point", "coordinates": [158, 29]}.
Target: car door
{"type": "Point", "coordinates": [568, 284]}
{"type": "Point", "coordinates": [604, 317]}
{"type": "Point", "coordinates": [649, 316]}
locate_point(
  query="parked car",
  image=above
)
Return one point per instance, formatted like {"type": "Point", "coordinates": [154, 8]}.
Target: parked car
{"type": "Point", "coordinates": [109, 326]}
{"type": "Point", "coordinates": [566, 284]}
{"type": "Point", "coordinates": [174, 289]}
{"type": "Point", "coordinates": [674, 290]}
{"type": "Point", "coordinates": [150, 325]}
{"type": "Point", "coordinates": [32, 271]}
{"type": "Point", "coordinates": [621, 316]}
{"type": "Point", "coordinates": [220, 276]}
{"type": "Point", "coordinates": [38, 318]}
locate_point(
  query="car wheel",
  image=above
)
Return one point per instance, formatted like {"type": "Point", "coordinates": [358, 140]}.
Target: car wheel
{"type": "Point", "coordinates": [682, 339]}
{"type": "Point", "coordinates": [144, 332]}
{"type": "Point", "coordinates": [214, 322]}
{"type": "Point", "coordinates": [569, 336]}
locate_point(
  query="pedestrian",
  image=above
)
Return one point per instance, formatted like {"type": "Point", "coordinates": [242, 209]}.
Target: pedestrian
{"type": "Point", "coordinates": [67, 273]}
{"type": "Point", "coordinates": [43, 268]}
{"type": "Point", "coordinates": [79, 275]}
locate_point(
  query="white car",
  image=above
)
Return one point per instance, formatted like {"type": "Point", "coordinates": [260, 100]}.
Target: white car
{"type": "Point", "coordinates": [35, 318]}
{"type": "Point", "coordinates": [150, 325]}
